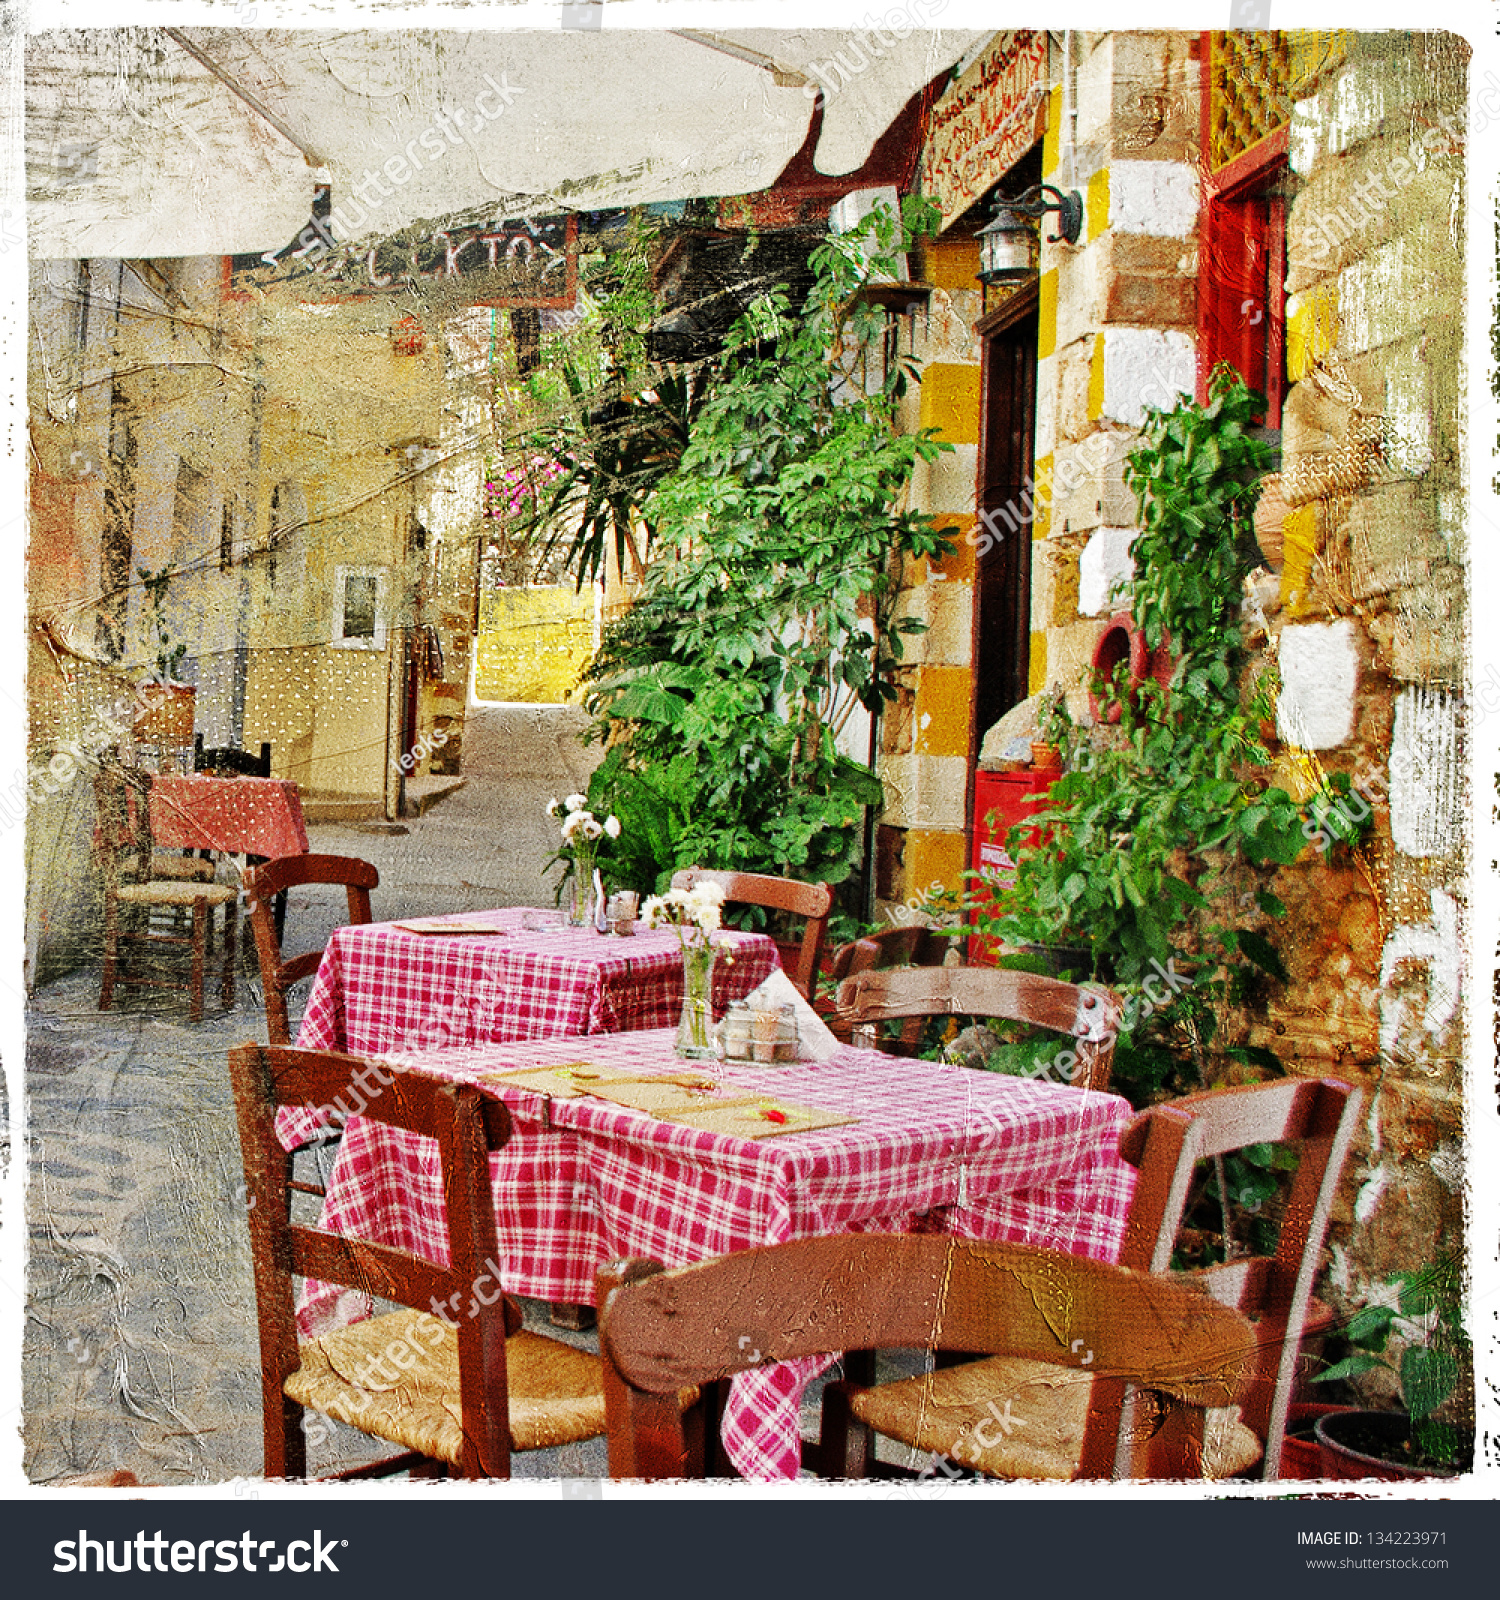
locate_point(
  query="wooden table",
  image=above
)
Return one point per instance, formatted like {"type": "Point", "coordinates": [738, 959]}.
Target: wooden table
{"type": "Point", "coordinates": [585, 1180]}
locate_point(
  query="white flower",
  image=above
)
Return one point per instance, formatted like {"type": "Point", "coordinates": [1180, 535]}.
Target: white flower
{"type": "Point", "coordinates": [612, 827]}
{"type": "Point", "coordinates": [553, 808]}
{"type": "Point", "coordinates": [577, 802]}
{"type": "Point", "coordinates": [653, 910]}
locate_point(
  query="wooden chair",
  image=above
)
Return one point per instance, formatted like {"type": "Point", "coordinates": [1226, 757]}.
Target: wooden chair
{"type": "Point", "coordinates": [662, 1330]}
{"type": "Point", "coordinates": [1062, 1405]}
{"type": "Point", "coordinates": [812, 901]}
{"type": "Point", "coordinates": [913, 946]}
{"type": "Point", "coordinates": [1091, 1014]}
{"type": "Point", "coordinates": [229, 760]}
{"type": "Point", "coordinates": [134, 893]}
{"type": "Point", "coordinates": [267, 885]}
{"type": "Point", "coordinates": [451, 1391]}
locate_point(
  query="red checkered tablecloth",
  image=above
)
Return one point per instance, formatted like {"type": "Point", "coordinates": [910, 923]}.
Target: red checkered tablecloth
{"type": "Point", "coordinates": [380, 987]}
{"type": "Point", "coordinates": [583, 1181]}
{"type": "Point", "coordinates": [242, 816]}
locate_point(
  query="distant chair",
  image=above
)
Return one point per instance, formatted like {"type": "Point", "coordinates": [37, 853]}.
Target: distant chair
{"type": "Point", "coordinates": [227, 760]}
{"type": "Point", "coordinates": [810, 900]}
{"type": "Point", "coordinates": [270, 881]}
{"type": "Point", "coordinates": [133, 892]}
{"type": "Point", "coordinates": [913, 946]}
{"type": "Point", "coordinates": [1090, 1015]}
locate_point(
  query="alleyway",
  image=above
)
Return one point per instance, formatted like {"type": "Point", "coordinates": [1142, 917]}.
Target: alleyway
{"type": "Point", "coordinates": [141, 1347]}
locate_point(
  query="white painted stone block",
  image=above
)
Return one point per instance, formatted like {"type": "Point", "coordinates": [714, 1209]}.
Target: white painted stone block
{"type": "Point", "coordinates": [1143, 367]}
{"type": "Point", "coordinates": [1319, 674]}
{"type": "Point", "coordinates": [1426, 777]}
{"type": "Point", "coordinates": [1438, 945]}
{"type": "Point", "coordinates": [1159, 198]}
{"type": "Point", "coordinates": [1105, 568]}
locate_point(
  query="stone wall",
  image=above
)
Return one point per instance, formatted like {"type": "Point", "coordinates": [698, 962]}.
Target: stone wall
{"type": "Point", "coordinates": [1366, 618]}
{"type": "Point", "coordinates": [1373, 627]}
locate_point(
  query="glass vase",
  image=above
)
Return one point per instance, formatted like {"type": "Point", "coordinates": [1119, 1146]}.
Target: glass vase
{"type": "Point", "coordinates": [580, 894]}
{"type": "Point", "coordinates": [695, 1029]}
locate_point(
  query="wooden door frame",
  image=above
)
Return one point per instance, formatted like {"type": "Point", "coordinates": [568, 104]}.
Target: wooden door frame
{"type": "Point", "coordinates": [1016, 309]}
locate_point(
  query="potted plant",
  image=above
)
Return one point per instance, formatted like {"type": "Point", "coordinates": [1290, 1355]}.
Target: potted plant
{"type": "Point", "coordinates": [1424, 1439]}
{"type": "Point", "coordinates": [1159, 845]}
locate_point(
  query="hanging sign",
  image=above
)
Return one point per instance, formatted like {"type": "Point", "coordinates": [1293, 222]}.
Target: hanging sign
{"type": "Point", "coordinates": [514, 263]}
{"type": "Point", "coordinates": [986, 122]}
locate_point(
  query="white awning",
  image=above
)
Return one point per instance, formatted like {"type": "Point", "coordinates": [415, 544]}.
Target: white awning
{"type": "Point", "coordinates": [147, 142]}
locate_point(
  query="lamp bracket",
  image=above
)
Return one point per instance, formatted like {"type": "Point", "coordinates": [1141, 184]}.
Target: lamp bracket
{"type": "Point", "coordinates": [1069, 209]}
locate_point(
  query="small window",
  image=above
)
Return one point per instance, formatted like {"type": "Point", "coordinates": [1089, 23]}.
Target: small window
{"type": "Point", "coordinates": [1242, 274]}
{"type": "Point", "coordinates": [359, 608]}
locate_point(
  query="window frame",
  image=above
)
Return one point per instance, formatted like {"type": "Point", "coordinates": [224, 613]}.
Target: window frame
{"type": "Point", "coordinates": [1230, 231]}
{"type": "Point", "coordinates": [340, 638]}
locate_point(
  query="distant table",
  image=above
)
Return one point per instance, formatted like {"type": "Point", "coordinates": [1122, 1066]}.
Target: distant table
{"type": "Point", "coordinates": [935, 1148]}
{"type": "Point", "coordinates": [240, 816]}
{"type": "Point", "coordinates": [382, 987]}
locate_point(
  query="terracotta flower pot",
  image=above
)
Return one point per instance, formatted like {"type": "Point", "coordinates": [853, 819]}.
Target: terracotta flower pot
{"type": "Point", "coordinates": [1122, 642]}
{"type": "Point", "coordinates": [1301, 1456]}
{"type": "Point", "coordinates": [1369, 1444]}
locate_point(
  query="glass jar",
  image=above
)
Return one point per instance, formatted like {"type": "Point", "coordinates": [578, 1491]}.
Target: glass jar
{"type": "Point", "coordinates": [736, 1032]}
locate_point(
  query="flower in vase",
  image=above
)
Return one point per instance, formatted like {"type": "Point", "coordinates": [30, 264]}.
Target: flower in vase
{"type": "Point", "coordinates": [686, 910]}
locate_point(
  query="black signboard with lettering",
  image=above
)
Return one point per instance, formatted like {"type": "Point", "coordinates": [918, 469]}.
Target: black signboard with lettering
{"type": "Point", "coordinates": [515, 263]}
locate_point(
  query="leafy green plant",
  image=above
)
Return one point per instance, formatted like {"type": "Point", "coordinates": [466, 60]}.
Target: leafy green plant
{"type": "Point", "coordinates": [616, 425]}
{"type": "Point", "coordinates": [1433, 1364]}
{"type": "Point", "coordinates": [767, 616]}
{"type": "Point", "coordinates": [1155, 824]}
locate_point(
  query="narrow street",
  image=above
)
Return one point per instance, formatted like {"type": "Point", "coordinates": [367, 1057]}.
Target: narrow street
{"type": "Point", "coordinates": [142, 1348]}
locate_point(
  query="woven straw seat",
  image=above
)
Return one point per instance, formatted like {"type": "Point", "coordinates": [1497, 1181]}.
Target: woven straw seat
{"type": "Point", "coordinates": [191, 869]}
{"type": "Point", "coordinates": [175, 892]}
{"type": "Point", "coordinates": [1010, 1418]}
{"type": "Point", "coordinates": [396, 1376]}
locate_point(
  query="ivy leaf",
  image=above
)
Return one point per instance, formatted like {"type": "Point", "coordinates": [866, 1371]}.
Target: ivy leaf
{"type": "Point", "coordinates": [1349, 1367]}
{"type": "Point", "coordinates": [1428, 1378]}
{"type": "Point", "coordinates": [1257, 948]}
{"type": "Point", "coordinates": [1370, 1326]}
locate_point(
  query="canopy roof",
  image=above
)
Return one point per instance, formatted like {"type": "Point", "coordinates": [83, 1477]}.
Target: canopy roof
{"type": "Point", "coordinates": [155, 142]}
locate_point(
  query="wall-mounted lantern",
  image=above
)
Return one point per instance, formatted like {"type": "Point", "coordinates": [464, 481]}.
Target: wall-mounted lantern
{"type": "Point", "coordinates": [1008, 248]}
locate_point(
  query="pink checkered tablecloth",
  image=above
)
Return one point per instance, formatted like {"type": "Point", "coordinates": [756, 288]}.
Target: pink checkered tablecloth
{"type": "Point", "coordinates": [242, 816]}
{"type": "Point", "coordinates": [379, 987]}
{"type": "Point", "coordinates": [584, 1181]}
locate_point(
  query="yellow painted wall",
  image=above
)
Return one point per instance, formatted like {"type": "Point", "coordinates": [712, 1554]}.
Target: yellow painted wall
{"type": "Point", "coordinates": [533, 643]}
